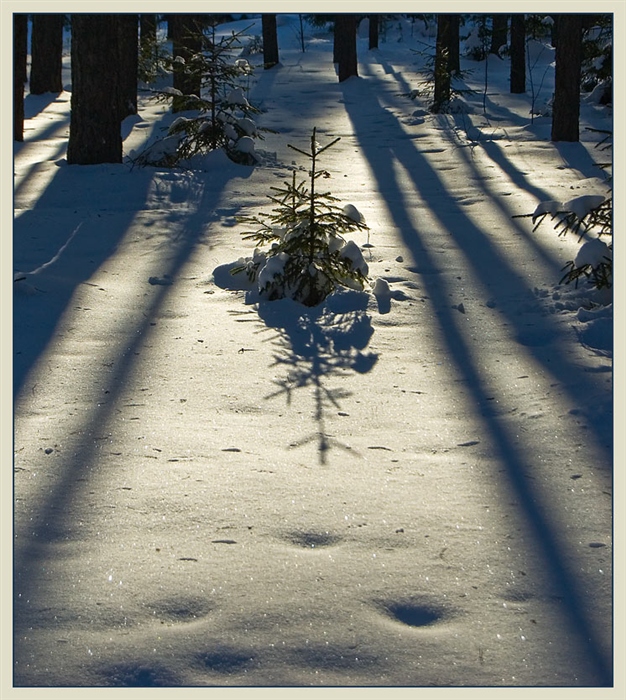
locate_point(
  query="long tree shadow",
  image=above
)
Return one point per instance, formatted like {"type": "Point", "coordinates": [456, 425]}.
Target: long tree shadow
{"type": "Point", "coordinates": [491, 268]}
{"type": "Point", "coordinates": [494, 271]}
{"type": "Point", "coordinates": [34, 104]}
{"type": "Point", "coordinates": [315, 345]}
{"type": "Point", "coordinates": [574, 155]}
{"type": "Point", "coordinates": [50, 521]}
{"type": "Point", "coordinates": [42, 234]}
{"type": "Point", "coordinates": [492, 186]}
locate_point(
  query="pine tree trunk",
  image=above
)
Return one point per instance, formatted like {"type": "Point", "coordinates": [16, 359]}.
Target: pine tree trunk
{"type": "Point", "coordinates": [270, 41]}
{"type": "Point", "coordinates": [566, 107]}
{"type": "Point", "coordinates": [373, 32]}
{"type": "Point", "coordinates": [128, 63]}
{"type": "Point", "coordinates": [518, 54]}
{"type": "Point", "coordinates": [147, 36]}
{"type": "Point", "coordinates": [186, 40]}
{"type": "Point", "coordinates": [20, 38]}
{"type": "Point", "coordinates": [147, 30]}
{"type": "Point", "coordinates": [454, 56]}
{"type": "Point", "coordinates": [345, 46]}
{"type": "Point", "coordinates": [499, 29]}
{"type": "Point", "coordinates": [95, 135]}
{"type": "Point", "coordinates": [46, 54]}
{"type": "Point", "coordinates": [442, 70]}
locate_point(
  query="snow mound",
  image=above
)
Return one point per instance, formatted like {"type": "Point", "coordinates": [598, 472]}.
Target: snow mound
{"type": "Point", "coordinates": [353, 213]}
{"type": "Point", "coordinates": [581, 206]}
{"type": "Point", "coordinates": [593, 253]}
{"type": "Point", "coordinates": [595, 329]}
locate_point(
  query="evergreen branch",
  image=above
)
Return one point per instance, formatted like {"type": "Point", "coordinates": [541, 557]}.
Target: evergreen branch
{"type": "Point", "coordinates": [332, 143]}
{"type": "Point", "coordinates": [304, 153]}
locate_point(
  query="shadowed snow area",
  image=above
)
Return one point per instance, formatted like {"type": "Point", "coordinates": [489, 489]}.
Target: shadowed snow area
{"type": "Point", "coordinates": [405, 486]}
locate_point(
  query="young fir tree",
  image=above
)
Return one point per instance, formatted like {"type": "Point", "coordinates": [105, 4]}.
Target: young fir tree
{"type": "Point", "coordinates": [308, 256]}
{"type": "Point", "coordinates": [218, 117]}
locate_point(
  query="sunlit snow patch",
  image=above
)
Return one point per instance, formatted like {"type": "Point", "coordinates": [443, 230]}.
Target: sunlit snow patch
{"type": "Point", "coordinates": [581, 206]}
{"type": "Point", "coordinates": [351, 211]}
{"type": "Point", "coordinates": [593, 252]}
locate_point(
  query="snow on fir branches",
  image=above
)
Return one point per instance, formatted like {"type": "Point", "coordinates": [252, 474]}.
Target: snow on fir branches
{"type": "Point", "coordinates": [590, 217]}
{"type": "Point", "coordinates": [301, 250]}
{"type": "Point", "coordinates": [219, 116]}
{"type": "Point", "coordinates": [584, 216]}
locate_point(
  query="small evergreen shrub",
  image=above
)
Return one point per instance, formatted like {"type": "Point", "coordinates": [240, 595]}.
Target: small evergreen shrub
{"type": "Point", "coordinates": [220, 117]}
{"type": "Point", "coordinates": [301, 250]}
{"type": "Point", "coordinates": [589, 214]}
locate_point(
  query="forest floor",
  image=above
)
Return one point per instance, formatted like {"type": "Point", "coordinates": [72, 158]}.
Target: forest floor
{"type": "Point", "coordinates": [411, 490]}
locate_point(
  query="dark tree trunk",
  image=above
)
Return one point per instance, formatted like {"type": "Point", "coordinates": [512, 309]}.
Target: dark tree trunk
{"type": "Point", "coordinates": [46, 54]}
{"type": "Point", "coordinates": [499, 29]}
{"type": "Point", "coordinates": [128, 63]}
{"type": "Point", "coordinates": [373, 33]}
{"type": "Point", "coordinates": [270, 41]}
{"type": "Point", "coordinates": [20, 38]}
{"type": "Point", "coordinates": [518, 54]}
{"type": "Point", "coordinates": [147, 35]}
{"type": "Point", "coordinates": [566, 107]}
{"type": "Point", "coordinates": [454, 57]}
{"type": "Point", "coordinates": [345, 46]}
{"type": "Point", "coordinates": [442, 69]}
{"type": "Point", "coordinates": [95, 135]}
{"type": "Point", "coordinates": [187, 41]}
{"type": "Point", "coordinates": [553, 37]}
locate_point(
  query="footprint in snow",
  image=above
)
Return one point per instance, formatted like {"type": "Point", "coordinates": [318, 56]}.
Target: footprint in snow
{"type": "Point", "coordinates": [165, 280]}
{"type": "Point", "coordinates": [413, 614]}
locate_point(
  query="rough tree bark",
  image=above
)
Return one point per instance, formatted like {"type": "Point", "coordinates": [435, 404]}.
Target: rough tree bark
{"type": "Point", "coordinates": [566, 106]}
{"type": "Point", "coordinates": [46, 54]}
{"type": "Point", "coordinates": [147, 32]}
{"type": "Point", "coordinates": [128, 63]}
{"type": "Point", "coordinates": [270, 40]}
{"type": "Point", "coordinates": [186, 40]}
{"type": "Point", "coordinates": [20, 37]}
{"type": "Point", "coordinates": [345, 46]}
{"type": "Point", "coordinates": [373, 31]}
{"type": "Point", "coordinates": [499, 30]}
{"type": "Point", "coordinates": [442, 68]}
{"type": "Point", "coordinates": [518, 54]}
{"type": "Point", "coordinates": [454, 55]}
{"type": "Point", "coordinates": [95, 135]}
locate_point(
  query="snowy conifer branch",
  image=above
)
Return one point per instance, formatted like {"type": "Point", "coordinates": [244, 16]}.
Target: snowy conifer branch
{"type": "Point", "coordinates": [582, 216]}
{"type": "Point", "coordinates": [218, 117]}
{"type": "Point", "coordinates": [308, 257]}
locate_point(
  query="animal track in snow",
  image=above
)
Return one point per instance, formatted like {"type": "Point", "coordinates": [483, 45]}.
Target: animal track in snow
{"type": "Point", "coordinates": [312, 540]}
{"type": "Point", "coordinates": [139, 675]}
{"type": "Point", "coordinates": [224, 660]}
{"type": "Point", "coordinates": [413, 614]}
{"type": "Point", "coordinates": [179, 609]}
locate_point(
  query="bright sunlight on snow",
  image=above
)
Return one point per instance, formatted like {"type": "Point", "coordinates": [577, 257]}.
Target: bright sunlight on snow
{"type": "Point", "coordinates": [409, 484]}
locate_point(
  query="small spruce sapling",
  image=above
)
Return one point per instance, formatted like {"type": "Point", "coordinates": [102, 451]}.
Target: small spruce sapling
{"type": "Point", "coordinates": [306, 256]}
{"type": "Point", "coordinates": [220, 117]}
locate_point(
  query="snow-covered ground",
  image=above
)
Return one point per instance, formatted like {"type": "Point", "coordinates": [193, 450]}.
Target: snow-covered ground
{"type": "Point", "coordinates": [412, 487]}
